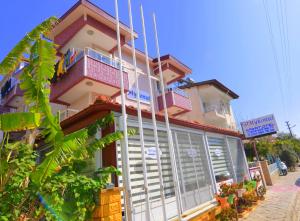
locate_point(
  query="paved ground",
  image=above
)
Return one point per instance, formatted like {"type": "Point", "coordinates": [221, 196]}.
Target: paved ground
{"type": "Point", "coordinates": [282, 201]}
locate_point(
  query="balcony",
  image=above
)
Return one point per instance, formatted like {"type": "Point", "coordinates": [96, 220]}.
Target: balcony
{"type": "Point", "coordinates": [65, 114]}
{"type": "Point", "coordinates": [12, 97]}
{"type": "Point", "coordinates": [172, 69]}
{"type": "Point", "coordinates": [177, 102]}
{"type": "Point", "coordinates": [88, 71]}
{"type": "Point", "coordinates": [215, 112]}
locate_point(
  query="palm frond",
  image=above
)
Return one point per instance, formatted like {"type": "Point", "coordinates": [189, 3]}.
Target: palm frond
{"type": "Point", "coordinates": [70, 147]}
{"type": "Point", "coordinates": [11, 61]}
{"type": "Point", "coordinates": [36, 85]}
{"type": "Point", "coordinates": [19, 121]}
{"type": "Point", "coordinates": [99, 144]}
{"type": "Point", "coordinates": [101, 124]}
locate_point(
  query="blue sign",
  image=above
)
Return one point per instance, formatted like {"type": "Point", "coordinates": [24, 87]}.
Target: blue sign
{"type": "Point", "coordinates": [260, 126]}
{"type": "Point", "coordinates": [144, 96]}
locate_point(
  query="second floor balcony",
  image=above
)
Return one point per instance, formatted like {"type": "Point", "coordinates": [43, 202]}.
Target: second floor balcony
{"type": "Point", "coordinates": [215, 112]}
{"type": "Point", "coordinates": [177, 102]}
{"type": "Point", "coordinates": [11, 94]}
{"type": "Point", "coordinates": [86, 71]}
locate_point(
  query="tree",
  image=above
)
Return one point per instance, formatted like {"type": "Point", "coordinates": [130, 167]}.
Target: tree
{"type": "Point", "coordinates": [273, 146]}
{"type": "Point", "coordinates": [55, 189]}
{"type": "Point", "coordinates": [289, 157]}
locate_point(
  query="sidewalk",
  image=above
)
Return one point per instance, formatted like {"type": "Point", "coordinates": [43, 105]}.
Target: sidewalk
{"type": "Point", "coordinates": [282, 201]}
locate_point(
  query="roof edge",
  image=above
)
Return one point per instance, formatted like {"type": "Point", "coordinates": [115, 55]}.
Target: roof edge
{"type": "Point", "coordinates": [107, 106]}
{"type": "Point", "coordinates": [215, 83]}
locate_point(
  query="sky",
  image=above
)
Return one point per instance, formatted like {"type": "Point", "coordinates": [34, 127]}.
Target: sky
{"type": "Point", "coordinates": [225, 40]}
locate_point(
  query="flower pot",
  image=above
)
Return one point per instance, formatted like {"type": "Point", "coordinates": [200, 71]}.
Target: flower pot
{"type": "Point", "coordinates": [223, 202]}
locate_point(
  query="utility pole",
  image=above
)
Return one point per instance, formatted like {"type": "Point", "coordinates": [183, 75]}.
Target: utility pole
{"type": "Point", "coordinates": [290, 128]}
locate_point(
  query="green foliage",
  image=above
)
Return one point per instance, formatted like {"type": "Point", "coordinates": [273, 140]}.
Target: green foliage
{"type": "Point", "coordinates": [55, 188]}
{"type": "Point", "coordinates": [12, 60]}
{"type": "Point", "coordinates": [17, 163]}
{"type": "Point", "coordinates": [227, 214]}
{"type": "Point", "coordinates": [289, 157]}
{"type": "Point", "coordinates": [19, 121]}
{"type": "Point", "coordinates": [273, 146]}
{"type": "Point", "coordinates": [36, 85]}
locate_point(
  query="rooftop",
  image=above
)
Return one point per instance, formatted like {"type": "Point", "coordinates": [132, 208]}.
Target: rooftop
{"type": "Point", "coordinates": [214, 83]}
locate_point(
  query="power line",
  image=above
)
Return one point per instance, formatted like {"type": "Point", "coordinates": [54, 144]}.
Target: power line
{"type": "Point", "coordinates": [284, 11]}
{"type": "Point", "coordinates": [286, 70]}
{"type": "Point", "coordinates": [275, 56]}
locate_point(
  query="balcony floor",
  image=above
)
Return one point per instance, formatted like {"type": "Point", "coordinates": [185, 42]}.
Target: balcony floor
{"type": "Point", "coordinates": [88, 85]}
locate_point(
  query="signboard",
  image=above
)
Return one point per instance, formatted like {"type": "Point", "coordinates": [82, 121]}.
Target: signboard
{"type": "Point", "coordinates": [192, 152]}
{"type": "Point", "coordinates": [151, 152]}
{"type": "Point", "coordinates": [144, 96]}
{"type": "Point", "coordinates": [260, 126]}
{"type": "Point", "coordinates": [218, 152]}
{"type": "Point", "coordinates": [255, 172]}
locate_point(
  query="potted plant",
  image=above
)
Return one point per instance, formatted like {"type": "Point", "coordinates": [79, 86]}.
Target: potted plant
{"type": "Point", "coordinates": [240, 190]}
{"type": "Point", "coordinates": [247, 196]}
{"type": "Point", "coordinates": [226, 196]}
{"type": "Point", "coordinates": [227, 214]}
{"type": "Point", "coordinates": [261, 191]}
{"type": "Point", "coordinates": [240, 205]}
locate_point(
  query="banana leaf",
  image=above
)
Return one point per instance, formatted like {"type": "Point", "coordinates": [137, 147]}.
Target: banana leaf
{"type": "Point", "coordinates": [19, 121]}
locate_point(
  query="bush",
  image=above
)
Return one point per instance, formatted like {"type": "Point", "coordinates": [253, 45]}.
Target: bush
{"type": "Point", "coordinates": [289, 157]}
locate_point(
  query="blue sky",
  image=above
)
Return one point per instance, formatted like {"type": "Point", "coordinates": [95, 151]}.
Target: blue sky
{"type": "Point", "coordinates": [226, 40]}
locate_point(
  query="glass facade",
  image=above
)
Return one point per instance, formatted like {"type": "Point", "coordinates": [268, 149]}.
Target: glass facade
{"type": "Point", "coordinates": [192, 164]}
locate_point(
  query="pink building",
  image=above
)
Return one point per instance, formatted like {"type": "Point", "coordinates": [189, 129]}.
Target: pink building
{"type": "Point", "coordinates": [86, 87]}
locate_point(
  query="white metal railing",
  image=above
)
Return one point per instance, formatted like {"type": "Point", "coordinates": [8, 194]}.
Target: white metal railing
{"type": "Point", "coordinates": [272, 167]}
{"type": "Point", "coordinates": [13, 87]}
{"type": "Point", "coordinates": [102, 58]}
{"type": "Point", "coordinates": [97, 55]}
{"type": "Point", "coordinates": [178, 91]}
{"type": "Point", "coordinates": [65, 114]}
{"type": "Point", "coordinates": [217, 108]}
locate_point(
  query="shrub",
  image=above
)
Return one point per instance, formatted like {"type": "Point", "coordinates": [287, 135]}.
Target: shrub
{"type": "Point", "coordinates": [289, 158]}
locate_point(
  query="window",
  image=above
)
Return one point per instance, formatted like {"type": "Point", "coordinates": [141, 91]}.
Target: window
{"type": "Point", "coordinates": [220, 159]}
{"type": "Point", "coordinates": [193, 170]}
{"type": "Point", "coordinates": [237, 154]}
{"type": "Point", "coordinates": [137, 177]}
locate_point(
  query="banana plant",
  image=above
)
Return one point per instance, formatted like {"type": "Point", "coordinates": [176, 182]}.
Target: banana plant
{"type": "Point", "coordinates": [39, 121]}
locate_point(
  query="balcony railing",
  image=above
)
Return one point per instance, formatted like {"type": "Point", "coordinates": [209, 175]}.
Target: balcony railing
{"type": "Point", "coordinates": [101, 57]}
{"type": "Point", "coordinates": [9, 91]}
{"type": "Point", "coordinates": [65, 114]}
{"type": "Point", "coordinates": [177, 101]}
{"type": "Point", "coordinates": [178, 91]}
{"type": "Point", "coordinates": [215, 108]}
{"type": "Point", "coordinates": [87, 70]}
{"type": "Point", "coordinates": [77, 54]}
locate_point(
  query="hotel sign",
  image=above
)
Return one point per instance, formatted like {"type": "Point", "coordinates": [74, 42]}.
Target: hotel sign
{"type": "Point", "coordinates": [144, 96]}
{"type": "Point", "coordinates": [260, 126]}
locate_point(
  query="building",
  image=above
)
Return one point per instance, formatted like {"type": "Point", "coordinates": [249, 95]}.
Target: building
{"type": "Point", "coordinates": [211, 103]}
{"type": "Point", "coordinates": [86, 87]}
